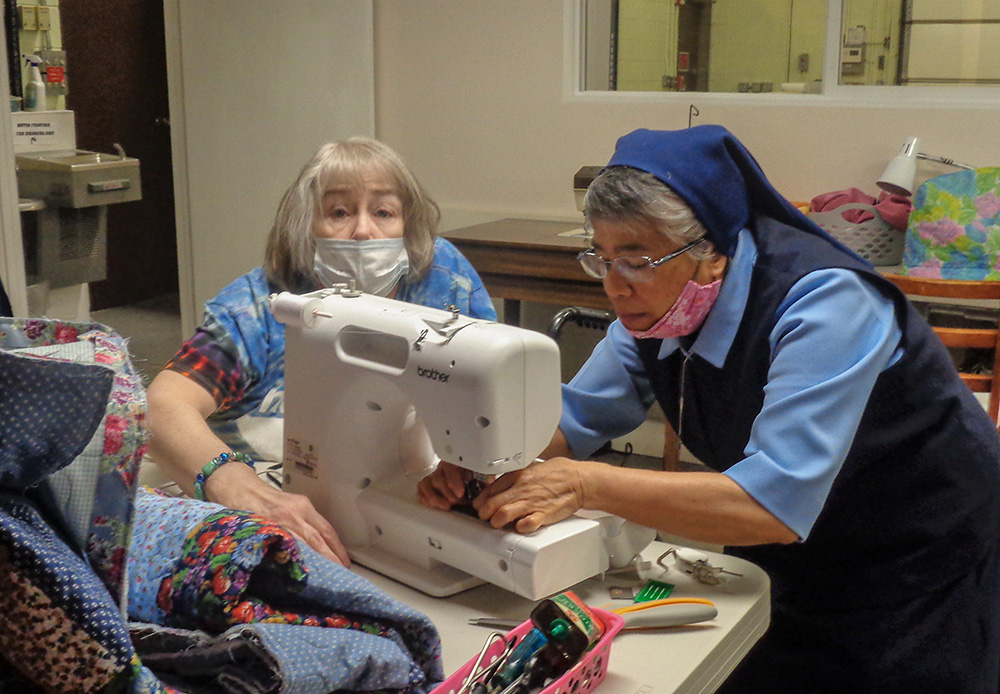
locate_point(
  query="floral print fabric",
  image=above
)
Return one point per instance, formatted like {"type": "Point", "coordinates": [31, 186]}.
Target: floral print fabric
{"type": "Point", "coordinates": [71, 412]}
{"type": "Point", "coordinates": [217, 579]}
{"type": "Point", "coordinates": [94, 494]}
{"type": "Point", "coordinates": [954, 228]}
{"type": "Point", "coordinates": [236, 568]}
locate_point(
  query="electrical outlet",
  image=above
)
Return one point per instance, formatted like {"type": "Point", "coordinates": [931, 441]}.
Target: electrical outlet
{"type": "Point", "coordinates": [44, 18]}
{"type": "Point", "coordinates": [29, 18]}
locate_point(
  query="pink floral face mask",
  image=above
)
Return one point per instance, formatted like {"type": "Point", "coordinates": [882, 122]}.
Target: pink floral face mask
{"type": "Point", "coordinates": [687, 314]}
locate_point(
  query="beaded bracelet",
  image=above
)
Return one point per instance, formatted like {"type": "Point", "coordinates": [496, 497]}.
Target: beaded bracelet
{"type": "Point", "coordinates": [213, 465]}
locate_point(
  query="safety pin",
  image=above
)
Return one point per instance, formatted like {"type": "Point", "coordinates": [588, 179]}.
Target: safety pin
{"type": "Point", "coordinates": [476, 673]}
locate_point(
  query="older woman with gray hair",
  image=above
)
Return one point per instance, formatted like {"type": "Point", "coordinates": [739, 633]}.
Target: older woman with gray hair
{"type": "Point", "coordinates": [850, 461]}
{"type": "Point", "coordinates": [355, 213]}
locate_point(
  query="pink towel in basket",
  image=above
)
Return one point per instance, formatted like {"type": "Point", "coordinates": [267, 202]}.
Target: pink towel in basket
{"type": "Point", "coordinates": [895, 209]}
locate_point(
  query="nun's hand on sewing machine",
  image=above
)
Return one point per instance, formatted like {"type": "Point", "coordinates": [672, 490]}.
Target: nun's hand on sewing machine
{"type": "Point", "coordinates": [445, 487]}
{"type": "Point", "coordinates": [537, 495]}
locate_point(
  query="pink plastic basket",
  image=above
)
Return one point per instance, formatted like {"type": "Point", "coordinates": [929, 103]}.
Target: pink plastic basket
{"type": "Point", "coordinates": [579, 679]}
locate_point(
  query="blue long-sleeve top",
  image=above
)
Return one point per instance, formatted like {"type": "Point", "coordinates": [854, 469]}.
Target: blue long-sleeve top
{"type": "Point", "coordinates": [818, 383]}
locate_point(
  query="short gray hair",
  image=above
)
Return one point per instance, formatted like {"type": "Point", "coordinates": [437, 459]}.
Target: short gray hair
{"type": "Point", "coordinates": [291, 245]}
{"type": "Point", "coordinates": [637, 200]}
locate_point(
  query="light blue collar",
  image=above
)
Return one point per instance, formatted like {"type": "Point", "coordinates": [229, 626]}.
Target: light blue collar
{"type": "Point", "coordinates": [719, 330]}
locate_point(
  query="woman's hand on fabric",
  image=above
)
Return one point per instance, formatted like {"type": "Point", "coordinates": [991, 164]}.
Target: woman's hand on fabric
{"type": "Point", "coordinates": [537, 495]}
{"type": "Point", "coordinates": [238, 487]}
{"type": "Point", "coordinates": [295, 513]}
{"type": "Point", "coordinates": [445, 487]}
{"type": "Point", "coordinates": [182, 442]}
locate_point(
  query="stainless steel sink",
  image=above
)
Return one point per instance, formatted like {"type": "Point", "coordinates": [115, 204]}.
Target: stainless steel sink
{"type": "Point", "coordinates": [78, 178]}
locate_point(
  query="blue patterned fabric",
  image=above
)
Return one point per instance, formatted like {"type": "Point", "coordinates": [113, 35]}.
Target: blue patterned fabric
{"type": "Point", "coordinates": [157, 538]}
{"type": "Point", "coordinates": [47, 386]}
{"type": "Point", "coordinates": [64, 404]}
{"type": "Point", "coordinates": [954, 228]}
{"type": "Point", "coordinates": [71, 436]}
{"type": "Point", "coordinates": [405, 654]}
{"type": "Point", "coordinates": [92, 634]}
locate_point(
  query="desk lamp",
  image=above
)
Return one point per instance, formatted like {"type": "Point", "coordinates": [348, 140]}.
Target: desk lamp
{"type": "Point", "coordinates": [901, 172]}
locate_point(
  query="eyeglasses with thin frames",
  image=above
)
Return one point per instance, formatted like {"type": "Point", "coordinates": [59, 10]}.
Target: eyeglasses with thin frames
{"type": "Point", "coordinates": [632, 268]}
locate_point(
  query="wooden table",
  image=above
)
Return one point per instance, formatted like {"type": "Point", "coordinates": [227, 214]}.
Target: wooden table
{"type": "Point", "coordinates": [527, 260]}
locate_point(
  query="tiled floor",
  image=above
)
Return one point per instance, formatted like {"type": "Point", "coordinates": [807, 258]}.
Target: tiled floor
{"type": "Point", "coordinates": [153, 330]}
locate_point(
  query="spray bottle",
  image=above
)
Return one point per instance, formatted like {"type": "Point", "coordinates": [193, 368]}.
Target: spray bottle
{"type": "Point", "coordinates": [34, 91]}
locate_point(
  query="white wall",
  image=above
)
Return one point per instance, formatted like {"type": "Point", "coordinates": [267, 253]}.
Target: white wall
{"type": "Point", "coordinates": [471, 94]}
{"type": "Point", "coordinates": [255, 88]}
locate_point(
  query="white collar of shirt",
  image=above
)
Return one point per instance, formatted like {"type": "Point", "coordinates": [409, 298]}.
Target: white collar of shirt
{"type": "Point", "coordinates": [719, 330]}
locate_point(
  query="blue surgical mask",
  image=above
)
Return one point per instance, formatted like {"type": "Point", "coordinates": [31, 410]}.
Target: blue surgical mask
{"type": "Point", "coordinates": [375, 265]}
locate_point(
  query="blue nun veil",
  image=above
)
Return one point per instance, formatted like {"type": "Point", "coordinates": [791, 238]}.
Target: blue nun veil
{"type": "Point", "coordinates": [715, 175]}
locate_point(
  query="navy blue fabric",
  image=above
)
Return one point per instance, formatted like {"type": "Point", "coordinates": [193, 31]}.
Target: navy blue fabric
{"type": "Point", "coordinates": [49, 410]}
{"type": "Point", "coordinates": [715, 175]}
{"type": "Point", "coordinates": [913, 514]}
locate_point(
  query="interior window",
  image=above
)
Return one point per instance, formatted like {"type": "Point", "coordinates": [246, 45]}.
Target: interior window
{"type": "Point", "coordinates": [734, 46]}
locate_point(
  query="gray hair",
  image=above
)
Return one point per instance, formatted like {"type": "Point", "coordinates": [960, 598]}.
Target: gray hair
{"type": "Point", "coordinates": [291, 245]}
{"type": "Point", "coordinates": [637, 200]}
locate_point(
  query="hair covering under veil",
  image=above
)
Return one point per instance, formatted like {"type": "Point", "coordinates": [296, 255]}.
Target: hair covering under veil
{"type": "Point", "coordinates": [715, 175]}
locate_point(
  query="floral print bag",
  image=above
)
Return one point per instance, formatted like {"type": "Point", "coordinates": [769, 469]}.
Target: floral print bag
{"type": "Point", "coordinates": [954, 228]}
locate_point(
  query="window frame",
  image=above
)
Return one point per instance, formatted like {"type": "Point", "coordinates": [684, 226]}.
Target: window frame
{"type": "Point", "coordinates": [832, 94]}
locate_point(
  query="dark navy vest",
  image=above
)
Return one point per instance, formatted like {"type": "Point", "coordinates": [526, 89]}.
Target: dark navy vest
{"type": "Point", "coordinates": [923, 473]}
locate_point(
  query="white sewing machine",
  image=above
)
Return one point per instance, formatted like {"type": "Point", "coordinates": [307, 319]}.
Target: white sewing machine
{"type": "Point", "coordinates": [358, 369]}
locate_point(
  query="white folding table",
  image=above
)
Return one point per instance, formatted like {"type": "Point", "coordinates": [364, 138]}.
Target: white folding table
{"type": "Point", "coordinates": [695, 658]}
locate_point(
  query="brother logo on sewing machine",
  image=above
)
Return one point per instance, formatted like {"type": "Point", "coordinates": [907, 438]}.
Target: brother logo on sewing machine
{"type": "Point", "coordinates": [432, 374]}
{"type": "Point", "coordinates": [374, 423]}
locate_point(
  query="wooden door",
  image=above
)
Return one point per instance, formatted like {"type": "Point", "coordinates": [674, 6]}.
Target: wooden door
{"type": "Point", "coordinates": [117, 77]}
